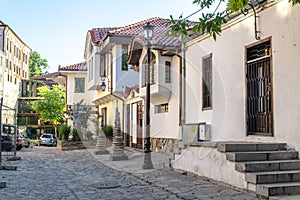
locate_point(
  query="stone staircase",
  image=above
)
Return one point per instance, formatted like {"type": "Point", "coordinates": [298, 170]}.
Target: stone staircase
{"type": "Point", "coordinates": [270, 169]}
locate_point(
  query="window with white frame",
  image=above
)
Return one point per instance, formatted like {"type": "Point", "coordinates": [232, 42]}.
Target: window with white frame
{"type": "Point", "coordinates": [124, 57]}
{"type": "Point", "coordinates": [162, 108]}
{"type": "Point", "coordinates": [79, 85]}
{"type": "Point", "coordinates": [152, 77]}
{"type": "Point", "coordinates": [91, 69]}
{"type": "Point", "coordinates": [167, 72]}
{"type": "Point", "coordinates": [207, 82]}
{"type": "Point", "coordinates": [102, 65]}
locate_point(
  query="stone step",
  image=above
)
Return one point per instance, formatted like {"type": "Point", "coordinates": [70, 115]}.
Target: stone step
{"type": "Point", "coordinates": [274, 165]}
{"type": "Point", "coordinates": [267, 190]}
{"type": "Point", "coordinates": [261, 156]}
{"type": "Point", "coordinates": [244, 146]}
{"type": "Point", "coordinates": [273, 177]}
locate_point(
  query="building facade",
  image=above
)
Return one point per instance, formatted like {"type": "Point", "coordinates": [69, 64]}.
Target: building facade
{"type": "Point", "coordinates": [14, 66]}
{"type": "Point", "coordinates": [244, 86]}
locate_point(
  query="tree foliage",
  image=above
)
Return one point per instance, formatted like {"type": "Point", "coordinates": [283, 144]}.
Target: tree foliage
{"type": "Point", "coordinates": [37, 65]}
{"type": "Point", "coordinates": [50, 107]}
{"type": "Point", "coordinates": [209, 22]}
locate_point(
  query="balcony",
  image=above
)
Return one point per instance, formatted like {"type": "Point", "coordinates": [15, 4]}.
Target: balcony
{"type": "Point", "coordinates": [160, 91]}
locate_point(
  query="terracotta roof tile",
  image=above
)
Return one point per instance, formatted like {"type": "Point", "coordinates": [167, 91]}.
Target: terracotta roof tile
{"type": "Point", "coordinates": [75, 67]}
{"type": "Point", "coordinates": [160, 37]}
{"type": "Point", "coordinates": [42, 77]}
{"type": "Point", "coordinates": [136, 30]}
{"type": "Point", "coordinates": [98, 33]}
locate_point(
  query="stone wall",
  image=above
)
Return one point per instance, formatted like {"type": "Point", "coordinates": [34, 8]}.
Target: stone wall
{"type": "Point", "coordinates": [164, 145]}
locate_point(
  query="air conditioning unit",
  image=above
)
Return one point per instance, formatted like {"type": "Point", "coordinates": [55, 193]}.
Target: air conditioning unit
{"type": "Point", "coordinates": [204, 132]}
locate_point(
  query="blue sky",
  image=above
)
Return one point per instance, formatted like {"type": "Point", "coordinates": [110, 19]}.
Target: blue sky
{"type": "Point", "coordinates": [57, 28]}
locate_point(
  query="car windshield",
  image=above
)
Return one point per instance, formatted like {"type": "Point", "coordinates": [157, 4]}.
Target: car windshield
{"type": "Point", "coordinates": [46, 136]}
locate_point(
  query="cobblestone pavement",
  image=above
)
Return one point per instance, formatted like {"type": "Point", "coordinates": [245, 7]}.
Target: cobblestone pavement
{"type": "Point", "coordinates": [45, 173]}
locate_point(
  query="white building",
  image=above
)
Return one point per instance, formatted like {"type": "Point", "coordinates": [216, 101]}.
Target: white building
{"type": "Point", "coordinates": [76, 88]}
{"type": "Point", "coordinates": [14, 66]}
{"type": "Point", "coordinates": [244, 86]}
{"type": "Point", "coordinates": [165, 80]}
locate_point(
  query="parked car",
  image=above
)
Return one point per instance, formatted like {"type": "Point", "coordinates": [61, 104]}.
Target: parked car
{"type": "Point", "coordinates": [48, 139]}
{"type": "Point", "coordinates": [24, 139]}
{"type": "Point", "coordinates": [8, 138]}
{"type": "Point", "coordinates": [8, 142]}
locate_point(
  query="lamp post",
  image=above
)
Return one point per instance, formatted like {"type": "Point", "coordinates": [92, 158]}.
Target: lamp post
{"type": "Point", "coordinates": [103, 85]}
{"type": "Point", "coordinates": [148, 31]}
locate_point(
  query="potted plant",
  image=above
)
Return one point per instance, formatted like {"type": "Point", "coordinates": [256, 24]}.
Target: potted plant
{"type": "Point", "coordinates": [24, 106]}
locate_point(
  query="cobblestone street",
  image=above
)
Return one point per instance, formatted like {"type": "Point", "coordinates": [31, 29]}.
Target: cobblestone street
{"type": "Point", "coordinates": [45, 173]}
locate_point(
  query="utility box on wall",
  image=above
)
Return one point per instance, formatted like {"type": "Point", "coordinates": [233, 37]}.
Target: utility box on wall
{"type": "Point", "coordinates": [192, 133]}
{"type": "Point", "coordinates": [204, 132]}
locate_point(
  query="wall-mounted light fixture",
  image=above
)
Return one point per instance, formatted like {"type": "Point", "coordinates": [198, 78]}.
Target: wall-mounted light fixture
{"type": "Point", "coordinates": [103, 84]}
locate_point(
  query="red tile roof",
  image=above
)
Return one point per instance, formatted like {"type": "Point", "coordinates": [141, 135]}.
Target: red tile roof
{"type": "Point", "coordinates": [45, 76]}
{"type": "Point", "coordinates": [160, 30]}
{"type": "Point", "coordinates": [98, 33]}
{"type": "Point", "coordinates": [75, 67]}
{"type": "Point", "coordinates": [160, 36]}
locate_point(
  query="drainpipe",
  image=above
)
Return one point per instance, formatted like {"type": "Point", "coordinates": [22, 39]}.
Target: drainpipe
{"type": "Point", "coordinates": [180, 90]}
{"type": "Point", "coordinates": [183, 88]}
{"type": "Point", "coordinates": [66, 89]}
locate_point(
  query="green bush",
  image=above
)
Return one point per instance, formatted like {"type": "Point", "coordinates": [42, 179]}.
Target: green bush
{"type": "Point", "coordinates": [108, 131]}
{"type": "Point", "coordinates": [64, 131]}
{"type": "Point", "coordinates": [75, 135]}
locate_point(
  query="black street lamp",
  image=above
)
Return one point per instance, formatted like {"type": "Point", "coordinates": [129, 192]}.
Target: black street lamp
{"type": "Point", "coordinates": [103, 85]}
{"type": "Point", "coordinates": [148, 31]}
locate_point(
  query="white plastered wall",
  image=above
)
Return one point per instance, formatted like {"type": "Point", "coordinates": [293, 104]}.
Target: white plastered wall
{"type": "Point", "coordinates": [227, 118]}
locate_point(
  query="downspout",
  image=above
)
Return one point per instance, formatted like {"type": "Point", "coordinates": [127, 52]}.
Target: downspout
{"type": "Point", "coordinates": [183, 87]}
{"type": "Point", "coordinates": [66, 89]}
{"type": "Point", "coordinates": [112, 94]}
{"type": "Point", "coordinates": [180, 91]}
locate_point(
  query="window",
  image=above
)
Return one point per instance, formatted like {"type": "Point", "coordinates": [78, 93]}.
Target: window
{"type": "Point", "coordinates": [124, 57]}
{"type": "Point", "coordinates": [162, 108]}
{"type": "Point", "coordinates": [102, 65]}
{"type": "Point", "coordinates": [91, 69]}
{"type": "Point", "coordinates": [7, 44]}
{"type": "Point", "coordinates": [152, 70]}
{"type": "Point", "coordinates": [167, 72]}
{"type": "Point", "coordinates": [79, 85]}
{"type": "Point", "coordinates": [207, 82]}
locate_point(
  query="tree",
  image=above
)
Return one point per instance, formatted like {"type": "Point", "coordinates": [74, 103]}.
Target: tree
{"type": "Point", "coordinates": [50, 107]}
{"type": "Point", "coordinates": [80, 114]}
{"type": "Point", "coordinates": [37, 64]}
{"type": "Point", "coordinates": [209, 22]}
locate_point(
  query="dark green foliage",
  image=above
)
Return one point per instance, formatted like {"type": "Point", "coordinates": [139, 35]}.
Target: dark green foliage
{"type": "Point", "coordinates": [108, 131]}
{"type": "Point", "coordinates": [75, 135]}
{"type": "Point", "coordinates": [294, 2]}
{"type": "Point", "coordinates": [37, 64]}
{"type": "Point", "coordinates": [210, 21]}
{"type": "Point", "coordinates": [64, 131]}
